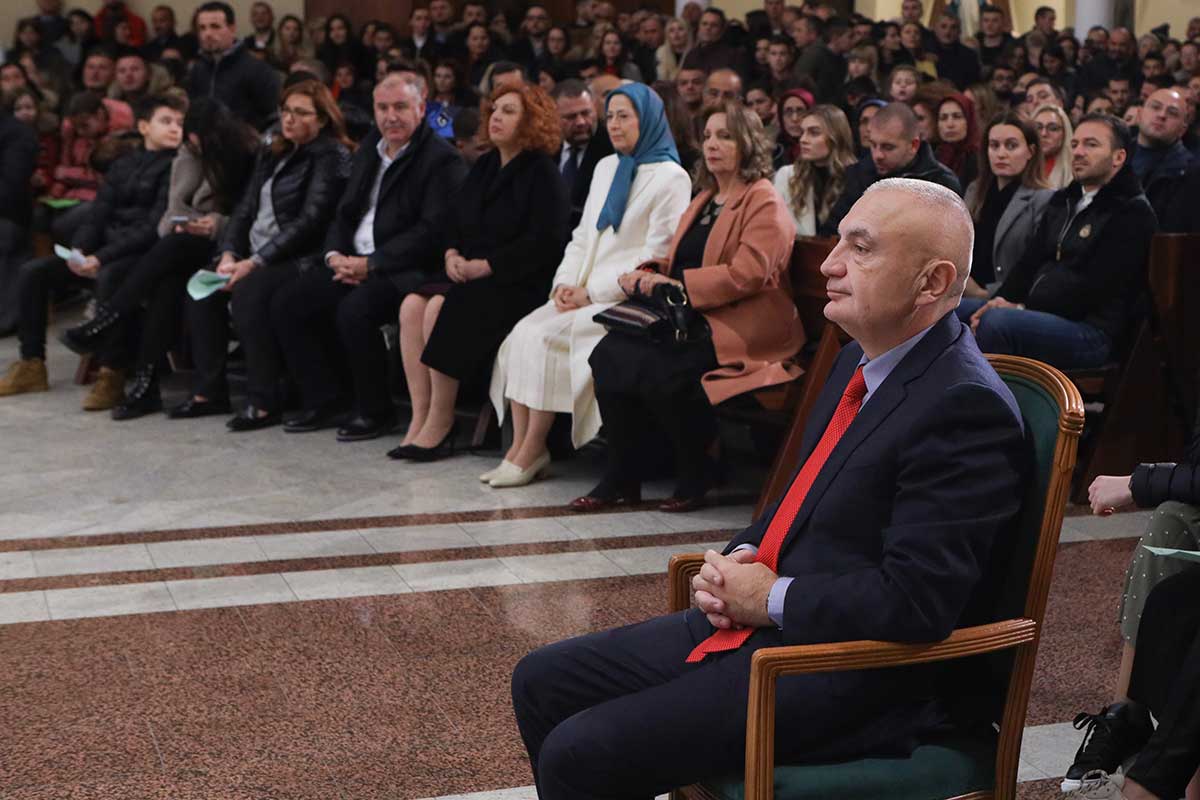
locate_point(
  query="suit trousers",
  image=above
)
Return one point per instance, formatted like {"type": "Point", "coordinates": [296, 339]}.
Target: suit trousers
{"type": "Point", "coordinates": [159, 281]}
{"type": "Point", "coordinates": [619, 714]}
{"type": "Point", "coordinates": [1166, 678]}
{"type": "Point", "coordinates": [249, 305]}
{"type": "Point", "coordinates": [13, 245]}
{"type": "Point", "coordinates": [40, 278]}
{"type": "Point", "coordinates": [313, 314]}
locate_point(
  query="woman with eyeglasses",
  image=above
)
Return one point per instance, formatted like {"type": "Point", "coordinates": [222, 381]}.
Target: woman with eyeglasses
{"type": "Point", "coordinates": [794, 105]}
{"type": "Point", "coordinates": [1054, 130]}
{"type": "Point", "coordinates": [274, 234]}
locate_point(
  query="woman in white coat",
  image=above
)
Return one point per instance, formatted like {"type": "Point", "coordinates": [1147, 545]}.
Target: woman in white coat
{"type": "Point", "coordinates": [636, 199]}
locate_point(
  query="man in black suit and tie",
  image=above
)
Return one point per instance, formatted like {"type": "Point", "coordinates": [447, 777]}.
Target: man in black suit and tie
{"type": "Point", "coordinates": [379, 247]}
{"type": "Point", "coordinates": [585, 142]}
{"type": "Point", "coordinates": [912, 465]}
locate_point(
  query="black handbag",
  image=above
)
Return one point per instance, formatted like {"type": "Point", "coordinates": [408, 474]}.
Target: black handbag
{"type": "Point", "coordinates": [664, 316]}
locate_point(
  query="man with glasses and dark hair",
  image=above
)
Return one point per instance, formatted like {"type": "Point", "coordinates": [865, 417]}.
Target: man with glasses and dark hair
{"type": "Point", "coordinates": [530, 50]}
{"type": "Point", "coordinates": [225, 70]}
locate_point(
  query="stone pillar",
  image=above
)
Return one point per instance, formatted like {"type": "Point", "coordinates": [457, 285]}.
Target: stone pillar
{"type": "Point", "coordinates": [1089, 13]}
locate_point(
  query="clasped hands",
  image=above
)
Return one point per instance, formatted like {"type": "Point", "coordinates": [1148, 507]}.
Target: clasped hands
{"type": "Point", "coordinates": [461, 270]}
{"type": "Point", "coordinates": [350, 270]}
{"type": "Point", "coordinates": [569, 298]}
{"type": "Point", "coordinates": [732, 590]}
{"type": "Point", "coordinates": [641, 281]}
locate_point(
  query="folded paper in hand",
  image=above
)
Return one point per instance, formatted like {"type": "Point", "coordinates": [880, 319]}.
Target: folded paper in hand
{"type": "Point", "coordinates": [68, 253]}
{"type": "Point", "coordinates": [204, 283]}
{"type": "Point", "coordinates": [1171, 552]}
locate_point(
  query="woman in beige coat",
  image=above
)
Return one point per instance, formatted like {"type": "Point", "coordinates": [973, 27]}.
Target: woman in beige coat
{"type": "Point", "coordinates": [730, 255]}
{"type": "Point", "coordinates": [542, 367]}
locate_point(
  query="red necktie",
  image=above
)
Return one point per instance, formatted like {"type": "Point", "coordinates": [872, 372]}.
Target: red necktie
{"type": "Point", "coordinates": [785, 515]}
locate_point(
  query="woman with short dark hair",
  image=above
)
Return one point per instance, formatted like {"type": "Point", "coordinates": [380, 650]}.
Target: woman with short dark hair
{"type": "Point", "coordinates": [729, 259]}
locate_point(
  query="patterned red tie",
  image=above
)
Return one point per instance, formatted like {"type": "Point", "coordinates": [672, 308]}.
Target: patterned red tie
{"type": "Point", "coordinates": [785, 515]}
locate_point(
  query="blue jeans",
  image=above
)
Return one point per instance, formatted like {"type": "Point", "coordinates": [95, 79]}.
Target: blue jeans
{"type": "Point", "coordinates": [1036, 334]}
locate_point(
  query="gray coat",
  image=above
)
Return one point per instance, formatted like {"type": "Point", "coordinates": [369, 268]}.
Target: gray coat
{"type": "Point", "coordinates": [1015, 229]}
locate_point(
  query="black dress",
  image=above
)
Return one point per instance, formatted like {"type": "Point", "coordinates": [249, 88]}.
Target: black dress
{"type": "Point", "coordinates": [637, 380]}
{"type": "Point", "coordinates": [515, 217]}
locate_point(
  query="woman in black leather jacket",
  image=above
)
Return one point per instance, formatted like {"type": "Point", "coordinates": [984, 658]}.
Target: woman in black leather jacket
{"type": "Point", "coordinates": [275, 233]}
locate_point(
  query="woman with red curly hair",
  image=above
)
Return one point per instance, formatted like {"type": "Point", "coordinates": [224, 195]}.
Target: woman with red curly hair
{"type": "Point", "coordinates": [501, 243]}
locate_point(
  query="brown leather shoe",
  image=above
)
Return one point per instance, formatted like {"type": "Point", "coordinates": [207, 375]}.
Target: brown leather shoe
{"type": "Point", "coordinates": [107, 392]}
{"type": "Point", "coordinates": [26, 375]}
{"type": "Point", "coordinates": [591, 503]}
{"type": "Point", "coordinates": [681, 505]}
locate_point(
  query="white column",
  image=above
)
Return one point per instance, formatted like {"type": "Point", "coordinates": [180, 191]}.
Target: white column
{"type": "Point", "coordinates": [1089, 13]}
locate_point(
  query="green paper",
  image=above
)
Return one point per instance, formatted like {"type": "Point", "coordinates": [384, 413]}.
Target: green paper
{"type": "Point", "coordinates": [1171, 552]}
{"type": "Point", "coordinates": [204, 283]}
{"type": "Point", "coordinates": [59, 203]}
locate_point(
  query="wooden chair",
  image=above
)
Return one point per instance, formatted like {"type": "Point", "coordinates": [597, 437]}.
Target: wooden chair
{"type": "Point", "coordinates": [962, 765]}
{"type": "Point", "coordinates": [1150, 396]}
{"type": "Point", "coordinates": [787, 406]}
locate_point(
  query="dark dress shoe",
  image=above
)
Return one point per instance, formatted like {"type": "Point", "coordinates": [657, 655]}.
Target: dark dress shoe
{"type": "Point", "coordinates": [142, 398]}
{"type": "Point", "coordinates": [314, 420]}
{"type": "Point", "coordinates": [602, 498]}
{"type": "Point", "coordinates": [362, 428]}
{"type": "Point", "coordinates": [250, 420]}
{"type": "Point", "coordinates": [411, 452]}
{"type": "Point", "coordinates": [194, 408]}
{"type": "Point", "coordinates": [681, 505]}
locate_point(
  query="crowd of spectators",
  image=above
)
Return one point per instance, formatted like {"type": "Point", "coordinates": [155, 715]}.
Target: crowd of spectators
{"type": "Point", "coordinates": [491, 184]}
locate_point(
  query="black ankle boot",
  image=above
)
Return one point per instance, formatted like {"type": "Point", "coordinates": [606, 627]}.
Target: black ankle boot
{"type": "Point", "coordinates": [143, 396]}
{"type": "Point", "coordinates": [85, 338]}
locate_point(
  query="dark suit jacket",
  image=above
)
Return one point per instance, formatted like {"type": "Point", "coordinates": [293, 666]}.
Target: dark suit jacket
{"type": "Point", "coordinates": [415, 193]}
{"type": "Point", "coordinates": [897, 529]}
{"type": "Point", "coordinates": [597, 148]}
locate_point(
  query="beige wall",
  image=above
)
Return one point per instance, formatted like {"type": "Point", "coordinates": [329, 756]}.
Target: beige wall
{"type": "Point", "coordinates": [13, 10]}
{"type": "Point", "coordinates": [1152, 13]}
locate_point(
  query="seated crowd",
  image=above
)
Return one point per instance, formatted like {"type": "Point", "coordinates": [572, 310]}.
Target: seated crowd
{"type": "Point", "coordinates": [497, 190]}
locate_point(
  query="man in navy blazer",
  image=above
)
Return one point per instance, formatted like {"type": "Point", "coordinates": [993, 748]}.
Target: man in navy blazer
{"type": "Point", "coordinates": [889, 543]}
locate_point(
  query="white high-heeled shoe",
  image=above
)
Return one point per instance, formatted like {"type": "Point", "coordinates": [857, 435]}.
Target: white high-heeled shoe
{"type": "Point", "coordinates": [492, 473]}
{"type": "Point", "coordinates": [512, 475]}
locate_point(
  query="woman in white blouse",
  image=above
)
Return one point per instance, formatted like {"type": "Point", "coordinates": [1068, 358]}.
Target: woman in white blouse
{"type": "Point", "coordinates": [812, 185]}
{"type": "Point", "coordinates": [636, 198]}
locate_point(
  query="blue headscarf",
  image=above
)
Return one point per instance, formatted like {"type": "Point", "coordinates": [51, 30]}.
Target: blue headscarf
{"type": "Point", "coordinates": [654, 144]}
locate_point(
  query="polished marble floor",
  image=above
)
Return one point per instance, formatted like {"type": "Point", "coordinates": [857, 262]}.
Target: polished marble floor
{"type": "Point", "coordinates": [189, 613]}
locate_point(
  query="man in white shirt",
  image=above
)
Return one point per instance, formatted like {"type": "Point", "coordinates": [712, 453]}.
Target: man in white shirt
{"type": "Point", "coordinates": [380, 246]}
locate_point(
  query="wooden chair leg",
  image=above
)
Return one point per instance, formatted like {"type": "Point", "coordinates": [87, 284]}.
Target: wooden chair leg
{"type": "Point", "coordinates": [483, 421]}
{"type": "Point", "coordinates": [85, 370]}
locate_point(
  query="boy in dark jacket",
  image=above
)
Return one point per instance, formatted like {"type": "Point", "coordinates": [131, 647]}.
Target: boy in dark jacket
{"type": "Point", "coordinates": [120, 226]}
{"type": "Point", "coordinates": [1073, 296]}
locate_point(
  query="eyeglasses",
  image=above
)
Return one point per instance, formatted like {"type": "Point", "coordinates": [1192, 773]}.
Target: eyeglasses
{"type": "Point", "coordinates": [795, 112]}
{"type": "Point", "coordinates": [296, 113]}
{"type": "Point", "coordinates": [1049, 127]}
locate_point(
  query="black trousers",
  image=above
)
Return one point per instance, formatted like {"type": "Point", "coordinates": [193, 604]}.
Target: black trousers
{"type": "Point", "coordinates": [319, 320]}
{"type": "Point", "coordinates": [159, 280]}
{"type": "Point", "coordinates": [1166, 678]}
{"type": "Point", "coordinates": [642, 386]}
{"type": "Point", "coordinates": [13, 247]}
{"type": "Point", "coordinates": [249, 305]}
{"type": "Point", "coordinates": [38, 281]}
{"type": "Point", "coordinates": [619, 714]}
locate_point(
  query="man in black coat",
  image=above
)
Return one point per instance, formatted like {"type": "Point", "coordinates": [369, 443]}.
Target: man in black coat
{"type": "Point", "coordinates": [1073, 296]}
{"type": "Point", "coordinates": [896, 152]}
{"type": "Point", "coordinates": [377, 250]}
{"type": "Point", "coordinates": [1160, 160]}
{"type": "Point", "coordinates": [226, 71]}
{"type": "Point", "coordinates": [955, 61]}
{"type": "Point", "coordinates": [120, 226]}
{"type": "Point", "coordinates": [18, 157]}
{"type": "Point", "coordinates": [585, 142]}
{"type": "Point", "coordinates": [530, 50]}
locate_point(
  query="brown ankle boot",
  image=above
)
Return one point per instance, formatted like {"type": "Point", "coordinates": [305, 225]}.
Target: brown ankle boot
{"type": "Point", "coordinates": [26, 375]}
{"type": "Point", "coordinates": [107, 392]}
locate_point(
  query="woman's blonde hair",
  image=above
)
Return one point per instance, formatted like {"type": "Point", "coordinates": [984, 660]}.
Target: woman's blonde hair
{"type": "Point", "coordinates": [841, 155]}
{"type": "Point", "coordinates": [754, 149]}
{"type": "Point", "coordinates": [1060, 175]}
{"type": "Point", "coordinates": [668, 65]}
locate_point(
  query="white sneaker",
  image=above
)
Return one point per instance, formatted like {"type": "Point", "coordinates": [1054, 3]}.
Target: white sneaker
{"type": "Point", "coordinates": [1097, 785]}
{"type": "Point", "coordinates": [491, 473]}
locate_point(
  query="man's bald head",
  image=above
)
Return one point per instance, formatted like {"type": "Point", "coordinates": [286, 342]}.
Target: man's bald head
{"type": "Point", "coordinates": [901, 264]}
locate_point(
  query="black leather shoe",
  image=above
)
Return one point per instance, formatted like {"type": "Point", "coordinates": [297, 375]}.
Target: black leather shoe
{"type": "Point", "coordinates": [142, 398]}
{"type": "Point", "coordinates": [361, 428]}
{"type": "Point", "coordinates": [314, 420]}
{"type": "Point", "coordinates": [249, 420]}
{"type": "Point", "coordinates": [194, 408]}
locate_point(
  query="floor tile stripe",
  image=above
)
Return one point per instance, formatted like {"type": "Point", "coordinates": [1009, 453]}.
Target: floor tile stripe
{"type": "Point", "coordinates": [277, 587]}
{"type": "Point", "coordinates": [13, 544]}
{"type": "Point", "coordinates": [215, 565]}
